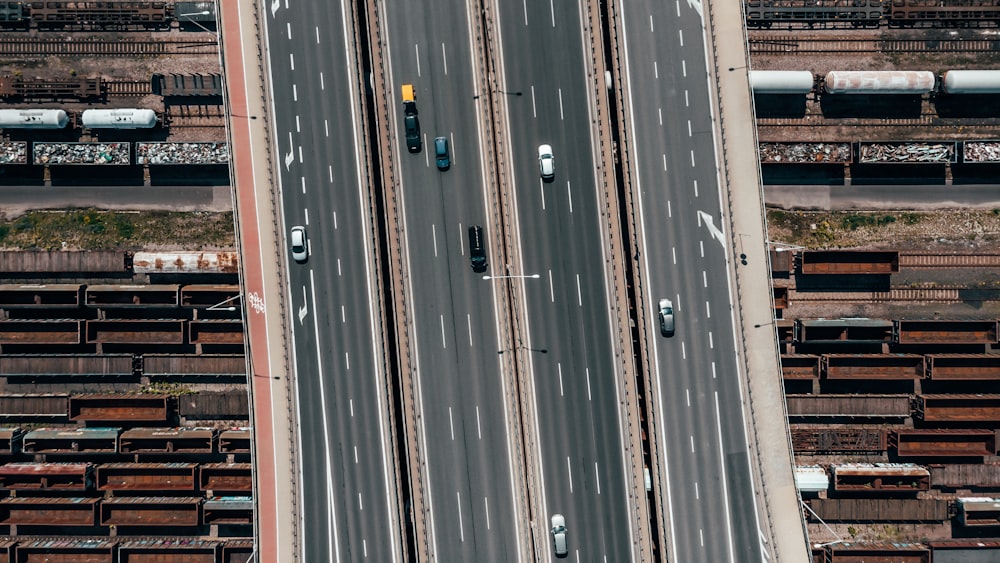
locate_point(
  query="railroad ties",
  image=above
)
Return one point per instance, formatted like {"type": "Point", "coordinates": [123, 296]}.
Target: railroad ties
{"type": "Point", "coordinates": [34, 47]}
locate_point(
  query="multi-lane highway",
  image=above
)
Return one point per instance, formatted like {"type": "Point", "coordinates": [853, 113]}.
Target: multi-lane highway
{"type": "Point", "coordinates": [567, 308]}
{"type": "Point", "coordinates": [472, 473]}
{"type": "Point", "coordinates": [465, 425]}
{"type": "Point", "coordinates": [349, 506]}
{"type": "Point", "coordinates": [705, 469]}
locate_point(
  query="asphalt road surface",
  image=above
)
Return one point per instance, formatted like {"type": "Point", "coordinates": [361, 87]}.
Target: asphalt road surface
{"type": "Point", "coordinates": [709, 492]}
{"type": "Point", "coordinates": [464, 424]}
{"type": "Point", "coordinates": [570, 346]}
{"type": "Point", "coordinates": [347, 500]}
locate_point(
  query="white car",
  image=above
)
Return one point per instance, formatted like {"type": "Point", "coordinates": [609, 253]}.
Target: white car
{"type": "Point", "coordinates": [546, 162]}
{"type": "Point", "coordinates": [559, 535]}
{"type": "Point", "coordinates": [300, 244]}
{"type": "Point", "coordinates": [666, 317]}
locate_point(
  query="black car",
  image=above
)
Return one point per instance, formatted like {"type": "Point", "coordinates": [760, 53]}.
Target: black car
{"type": "Point", "coordinates": [412, 126]}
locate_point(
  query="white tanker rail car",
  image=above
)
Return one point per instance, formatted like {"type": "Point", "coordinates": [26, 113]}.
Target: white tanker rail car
{"type": "Point", "coordinates": [119, 119]}
{"type": "Point", "coordinates": [33, 119]}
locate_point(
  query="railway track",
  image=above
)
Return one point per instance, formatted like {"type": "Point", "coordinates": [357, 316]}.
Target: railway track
{"type": "Point", "coordinates": [792, 45]}
{"type": "Point", "coordinates": [195, 116]}
{"type": "Point", "coordinates": [948, 261]}
{"type": "Point", "coordinates": [31, 47]}
{"type": "Point", "coordinates": [129, 88]}
{"type": "Point", "coordinates": [928, 120]}
{"type": "Point", "coordinates": [936, 295]}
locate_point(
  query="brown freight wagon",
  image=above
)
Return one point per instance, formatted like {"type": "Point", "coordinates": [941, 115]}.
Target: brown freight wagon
{"type": "Point", "coordinates": [119, 408]}
{"type": "Point", "coordinates": [168, 441]}
{"type": "Point", "coordinates": [800, 366]}
{"type": "Point", "coordinates": [878, 510]}
{"type": "Point", "coordinates": [75, 262]}
{"type": "Point", "coordinates": [235, 441]}
{"type": "Point", "coordinates": [211, 296]}
{"type": "Point", "coordinates": [215, 405]}
{"type": "Point", "coordinates": [135, 331]}
{"type": "Point", "coordinates": [844, 331]}
{"type": "Point", "coordinates": [975, 512]}
{"type": "Point", "coordinates": [132, 295]}
{"type": "Point", "coordinates": [216, 331]}
{"type": "Point", "coordinates": [35, 332]}
{"type": "Point", "coordinates": [36, 511]}
{"type": "Point", "coordinates": [66, 364]}
{"type": "Point", "coordinates": [828, 440]}
{"type": "Point", "coordinates": [71, 441]}
{"type": "Point", "coordinates": [964, 366]}
{"type": "Point", "coordinates": [39, 406]}
{"type": "Point", "coordinates": [10, 440]}
{"type": "Point", "coordinates": [46, 476]}
{"type": "Point", "coordinates": [65, 550]}
{"type": "Point", "coordinates": [147, 477]}
{"type": "Point", "coordinates": [943, 443]}
{"type": "Point", "coordinates": [227, 477]}
{"type": "Point", "coordinates": [965, 475]}
{"type": "Point", "coordinates": [964, 550]}
{"type": "Point", "coordinates": [223, 365]}
{"type": "Point", "coordinates": [151, 511]}
{"type": "Point", "coordinates": [229, 510]}
{"type": "Point", "coordinates": [169, 550]}
{"type": "Point", "coordinates": [34, 296]}
{"type": "Point", "coordinates": [873, 366]}
{"type": "Point", "coordinates": [967, 407]}
{"type": "Point", "coordinates": [863, 262]}
{"type": "Point", "coordinates": [237, 550]}
{"type": "Point", "coordinates": [848, 406]}
{"type": "Point", "coordinates": [946, 332]}
{"type": "Point", "coordinates": [877, 552]}
{"type": "Point", "coordinates": [880, 477]}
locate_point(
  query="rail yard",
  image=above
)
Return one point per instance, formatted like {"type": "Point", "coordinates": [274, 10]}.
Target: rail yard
{"type": "Point", "coordinates": [124, 419]}
{"type": "Point", "coordinates": [888, 353]}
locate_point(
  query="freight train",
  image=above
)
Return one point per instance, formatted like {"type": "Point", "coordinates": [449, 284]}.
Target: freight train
{"type": "Point", "coordinates": [913, 82]}
{"type": "Point", "coordinates": [871, 13]}
{"type": "Point", "coordinates": [60, 14]}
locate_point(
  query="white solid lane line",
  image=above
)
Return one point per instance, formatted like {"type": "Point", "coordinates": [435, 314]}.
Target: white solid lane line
{"type": "Point", "coordinates": [569, 471]}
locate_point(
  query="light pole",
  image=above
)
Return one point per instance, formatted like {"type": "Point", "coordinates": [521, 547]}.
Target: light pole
{"type": "Point", "coordinates": [532, 276]}
{"type": "Point", "coordinates": [201, 13]}
{"type": "Point", "coordinates": [221, 306]}
{"type": "Point", "coordinates": [784, 246]}
{"type": "Point", "coordinates": [528, 348]}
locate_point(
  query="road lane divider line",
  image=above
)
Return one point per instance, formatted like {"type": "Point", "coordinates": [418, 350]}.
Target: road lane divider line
{"type": "Point", "coordinates": [569, 471]}
{"type": "Point", "coordinates": [590, 397]}
{"type": "Point", "coordinates": [444, 343]}
{"type": "Point", "coordinates": [725, 478]}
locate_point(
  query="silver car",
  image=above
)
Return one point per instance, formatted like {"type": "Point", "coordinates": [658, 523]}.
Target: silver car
{"type": "Point", "coordinates": [666, 317]}
{"type": "Point", "coordinates": [546, 162]}
{"type": "Point", "coordinates": [300, 244]}
{"type": "Point", "coordinates": [559, 535]}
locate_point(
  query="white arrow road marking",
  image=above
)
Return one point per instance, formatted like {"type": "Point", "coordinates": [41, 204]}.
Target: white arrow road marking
{"type": "Point", "coordinates": [710, 224]}
{"type": "Point", "coordinates": [290, 157]}
{"type": "Point", "coordinates": [275, 4]}
{"type": "Point", "coordinates": [303, 310]}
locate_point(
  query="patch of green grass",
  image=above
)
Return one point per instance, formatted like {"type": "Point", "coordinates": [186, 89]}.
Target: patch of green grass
{"type": "Point", "coordinates": [92, 229]}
